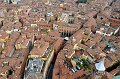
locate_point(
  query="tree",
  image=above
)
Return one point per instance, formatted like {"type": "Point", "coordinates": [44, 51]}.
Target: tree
{"type": "Point", "coordinates": [81, 1]}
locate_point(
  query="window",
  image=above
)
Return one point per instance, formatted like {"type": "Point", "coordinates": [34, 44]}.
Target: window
{"type": "Point", "coordinates": [101, 18]}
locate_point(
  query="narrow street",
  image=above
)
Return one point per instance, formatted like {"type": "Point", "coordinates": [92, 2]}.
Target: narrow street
{"type": "Point", "coordinates": [50, 71]}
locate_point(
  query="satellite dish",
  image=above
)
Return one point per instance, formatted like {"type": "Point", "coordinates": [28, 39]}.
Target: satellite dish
{"type": "Point", "coordinates": [100, 66]}
{"type": "Point", "coordinates": [66, 38]}
{"type": "Point", "coordinates": [112, 49]}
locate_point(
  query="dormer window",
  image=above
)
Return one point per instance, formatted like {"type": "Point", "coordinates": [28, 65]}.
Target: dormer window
{"type": "Point", "coordinates": [5, 63]}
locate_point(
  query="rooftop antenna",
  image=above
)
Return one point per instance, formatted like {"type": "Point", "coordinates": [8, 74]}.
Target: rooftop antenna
{"type": "Point", "coordinates": [73, 39]}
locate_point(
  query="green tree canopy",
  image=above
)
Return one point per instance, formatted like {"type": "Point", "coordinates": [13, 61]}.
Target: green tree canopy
{"type": "Point", "coordinates": [81, 1]}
